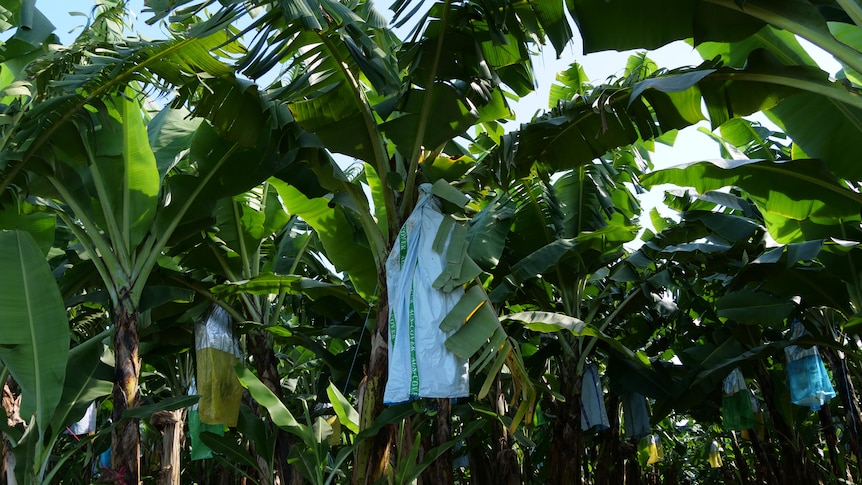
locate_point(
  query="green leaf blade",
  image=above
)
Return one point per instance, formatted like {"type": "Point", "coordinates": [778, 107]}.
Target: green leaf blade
{"type": "Point", "coordinates": [34, 330]}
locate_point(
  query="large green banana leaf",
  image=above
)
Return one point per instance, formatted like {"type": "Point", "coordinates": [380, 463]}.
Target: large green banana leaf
{"type": "Point", "coordinates": [337, 234]}
{"type": "Point", "coordinates": [585, 128]}
{"type": "Point", "coordinates": [620, 24]}
{"type": "Point", "coordinates": [124, 171]}
{"type": "Point", "coordinates": [788, 193]}
{"type": "Point", "coordinates": [797, 189]}
{"type": "Point", "coordinates": [816, 123]}
{"type": "Point", "coordinates": [34, 331]}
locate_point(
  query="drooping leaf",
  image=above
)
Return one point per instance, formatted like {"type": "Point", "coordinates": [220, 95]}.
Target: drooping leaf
{"type": "Point", "coordinates": [797, 189]}
{"type": "Point", "coordinates": [279, 414]}
{"type": "Point", "coordinates": [80, 388]}
{"type": "Point", "coordinates": [34, 331]}
{"type": "Point", "coordinates": [272, 284]}
{"type": "Point", "coordinates": [554, 322]}
{"type": "Point", "coordinates": [169, 134]}
{"type": "Point", "coordinates": [754, 307]}
{"type": "Point", "coordinates": [347, 415]}
{"type": "Point", "coordinates": [474, 322]}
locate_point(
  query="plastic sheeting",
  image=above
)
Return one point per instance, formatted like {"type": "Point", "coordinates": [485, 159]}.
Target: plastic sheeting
{"type": "Point", "coordinates": [420, 365]}
{"type": "Point", "coordinates": [635, 416]}
{"type": "Point", "coordinates": [807, 377]}
{"type": "Point", "coordinates": [217, 353]}
{"type": "Point", "coordinates": [593, 412]}
{"type": "Point", "coordinates": [736, 409]}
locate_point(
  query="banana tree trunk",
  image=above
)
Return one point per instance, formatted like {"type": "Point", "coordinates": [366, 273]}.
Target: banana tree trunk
{"type": "Point", "coordinates": [126, 437]}
{"type": "Point", "coordinates": [505, 461]}
{"type": "Point", "coordinates": [610, 468]}
{"type": "Point", "coordinates": [739, 459]}
{"type": "Point", "coordinates": [442, 435]}
{"type": "Point", "coordinates": [11, 402]}
{"type": "Point", "coordinates": [566, 453]}
{"type": "Point", "coordinates": [266, 364]}
{"type": "Point", "coordinates": [792, 468]}
{"type": "Point", "coordinates": [372, 455]}
{"type": "Point", "coordinates": [765, 468]}
{"type": "Point", "coordinates": [170, 424]}
{"type": "Point", "coordinates": [839, 467]}
{"type": "Point", "coordinates": [850, 401]}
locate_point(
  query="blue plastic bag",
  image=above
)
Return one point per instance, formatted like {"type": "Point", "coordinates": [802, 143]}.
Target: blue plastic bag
{"type": "Point", "coordinates": [593, 412]}
{"type": "Point", "coordinates": [635, 416]}
{"type": "Point", "coordinates": [806, 375]}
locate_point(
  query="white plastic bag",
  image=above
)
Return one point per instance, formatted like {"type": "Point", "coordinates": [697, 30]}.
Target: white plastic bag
{"type": "Point", "coordinates": [420, 365]}
{"type": "Point", "coordinates": [85, 425]}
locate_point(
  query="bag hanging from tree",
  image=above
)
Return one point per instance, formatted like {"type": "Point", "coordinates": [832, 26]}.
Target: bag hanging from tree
{"type": "Point", "coordinates": [635, 415]}
{"type": "Point", "coordinates": [715, 460]}
{"type": "Point", "coordinates": [736, 412]}
{"type": "Point", "coordinates": [420, 365]}
{"type": "Point", "coordinates": [217, 353]}
{"type": "Point", "coordinates": [807, 377]}
{"type": "Point", "coordinates": [655, 448]}
{"type": "Point", "coordinates": [593, 412]}
{"type": "Point", "coordinates": [759, 427]}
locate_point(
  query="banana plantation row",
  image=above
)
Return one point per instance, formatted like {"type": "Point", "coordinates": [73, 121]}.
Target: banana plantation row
{"type": "Point", "coordinates": [298, 241]}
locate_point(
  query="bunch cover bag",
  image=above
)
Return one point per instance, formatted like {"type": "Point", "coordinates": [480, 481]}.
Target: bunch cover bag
{"type": "Point", "coordinates": [635, 415]}
{"type": "Point", "coordinates": [736, 412]}
{"type": "Point", "coordinates": [807, 377]}
{"type": "Point", "coordinates": [199, 450]}
{"type": "Point", "coordinates": [420, 365]}
{"type": "Point", "coordinates": [593, 412]}
{"type": "Point", "coordinates": [715, 460]}
{"type": "Point", "coordinates": [656, 450]}
{"type": "Point", "coordinates": [217, 353]}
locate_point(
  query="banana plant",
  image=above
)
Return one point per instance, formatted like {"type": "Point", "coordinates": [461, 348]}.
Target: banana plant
{"type": "Point", "coordinates": [118, 178]}
{"type": "Point", "coordinates": [395, 107]}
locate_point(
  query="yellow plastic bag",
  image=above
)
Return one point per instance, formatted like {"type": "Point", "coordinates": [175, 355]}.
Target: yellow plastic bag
{"type": "Point", "coordinates": [656, 451]}
{"type": "Point", "coordinates": [715, 456]}
{"type": "Point", "coordinates": [217, 353]}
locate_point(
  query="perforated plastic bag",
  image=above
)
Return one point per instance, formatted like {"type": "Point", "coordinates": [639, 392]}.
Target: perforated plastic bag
{"type": "Point", "coordinates": [200, 451]}
{"type": "Point", "coordinates": [593, 412]}
{"type": "Point", "coordinates": [635, 416]}
{"type": "Point", "coordinates": [420, 365]}
{"type": "Point", "coordinates": [807, 377]}
{"type": "Point", "coordinates": [736, 409]}
{"type": "Point", "coordinates": [217, 353]}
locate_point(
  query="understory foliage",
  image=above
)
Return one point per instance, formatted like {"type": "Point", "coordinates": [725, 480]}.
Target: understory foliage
{"type": "Point", "coordinates": [261, 156]}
